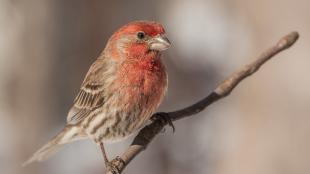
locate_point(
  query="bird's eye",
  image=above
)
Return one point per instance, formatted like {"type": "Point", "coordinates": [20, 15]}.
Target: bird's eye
{"type": "Point", "coordinates": [141, 35]}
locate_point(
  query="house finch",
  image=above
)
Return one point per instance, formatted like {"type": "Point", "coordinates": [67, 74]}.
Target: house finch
{"type": "Point", "coordinates": [121, 90]}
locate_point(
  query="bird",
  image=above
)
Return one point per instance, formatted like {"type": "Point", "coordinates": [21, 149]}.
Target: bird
{"type": "Point", "coordinates": [120, 92]}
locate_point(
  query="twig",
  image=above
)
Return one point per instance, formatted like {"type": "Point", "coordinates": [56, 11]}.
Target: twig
{"type": "Point", "coordinates": [146, 135]}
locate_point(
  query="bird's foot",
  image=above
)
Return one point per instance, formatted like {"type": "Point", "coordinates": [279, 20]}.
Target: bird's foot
{"type": "Point", "coordinates": [119, 161]}
{"type": "Point", "coordinates": [164, 117]}
{"type": "Point", "coordinates": [113, 166]}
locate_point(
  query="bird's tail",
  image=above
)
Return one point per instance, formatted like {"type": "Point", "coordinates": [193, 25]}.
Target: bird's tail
{"type": "Point", "coordinates": [68, 134]}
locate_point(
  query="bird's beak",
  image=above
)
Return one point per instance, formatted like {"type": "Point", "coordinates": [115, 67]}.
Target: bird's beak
{"type": "Point", "coordinates": [159, 43]}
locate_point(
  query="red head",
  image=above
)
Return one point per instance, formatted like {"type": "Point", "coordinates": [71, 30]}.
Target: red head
{"type": "Point", "coordinates": [136, 40]}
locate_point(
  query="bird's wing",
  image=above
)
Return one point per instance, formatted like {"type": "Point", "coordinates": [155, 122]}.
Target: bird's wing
{"type": "Point", "coordinates": [90, 95]}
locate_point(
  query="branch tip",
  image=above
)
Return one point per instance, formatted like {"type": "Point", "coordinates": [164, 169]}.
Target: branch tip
{"type": "Point", "coordinates": [288, 40]}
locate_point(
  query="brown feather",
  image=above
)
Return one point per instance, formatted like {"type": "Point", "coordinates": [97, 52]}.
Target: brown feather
{"type": "Point", "coordinates": [91, 92]}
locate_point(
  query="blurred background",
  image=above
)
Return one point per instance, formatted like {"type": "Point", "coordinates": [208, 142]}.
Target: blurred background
{"type": "Point", "coordinates": [47, 46]}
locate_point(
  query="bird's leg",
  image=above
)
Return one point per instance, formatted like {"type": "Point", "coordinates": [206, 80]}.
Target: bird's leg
{"type": "Point", "coordinates": [111, 165]}
{"type": "Point", "coordinates": [163, 117]}
{"type": "Point", "coordinates": [106, 160]}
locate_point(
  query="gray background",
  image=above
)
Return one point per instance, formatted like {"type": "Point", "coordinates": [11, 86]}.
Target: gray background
{"type": "Point", "coordinates": [46, 48]}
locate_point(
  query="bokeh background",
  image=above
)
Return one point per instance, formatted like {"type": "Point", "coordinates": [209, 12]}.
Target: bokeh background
{"type": "Point", "coordinates": [47, 46]}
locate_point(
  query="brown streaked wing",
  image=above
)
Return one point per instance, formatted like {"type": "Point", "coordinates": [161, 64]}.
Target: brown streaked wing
{"type": "Point", "coordinates": [90, 95]}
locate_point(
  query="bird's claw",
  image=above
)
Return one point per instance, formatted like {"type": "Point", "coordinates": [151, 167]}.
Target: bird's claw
{"type": "Point", "coordinates": [119, 160]}
{"type": "Point", "coordinates": [113, 165]}
{"type": "Point", "coordinates": [164, 117]}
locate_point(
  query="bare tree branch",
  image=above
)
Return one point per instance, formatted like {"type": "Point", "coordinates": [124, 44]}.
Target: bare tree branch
{"type": "Point", "coordinates": [146, 135]}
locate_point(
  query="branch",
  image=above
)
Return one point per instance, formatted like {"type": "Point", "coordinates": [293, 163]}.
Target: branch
{"type": "Point", "coordinates": [146, 135]}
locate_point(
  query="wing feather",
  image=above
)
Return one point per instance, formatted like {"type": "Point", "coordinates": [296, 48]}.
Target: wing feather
{"type": "Point", "coordinates": [90, 95]}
